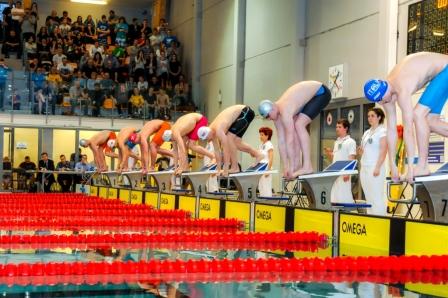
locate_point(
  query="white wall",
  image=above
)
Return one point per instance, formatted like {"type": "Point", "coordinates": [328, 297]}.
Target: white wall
{"type": "Point", "coordinates": [182, 25]}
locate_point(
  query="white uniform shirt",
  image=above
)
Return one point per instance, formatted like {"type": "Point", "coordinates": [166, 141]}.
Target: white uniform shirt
{"type": "Point", "coordinates": [343, 148]}
{"type": "Point", "coordinates": [370, 143]}
{"type": "Point", "coordinates": [264, 149]}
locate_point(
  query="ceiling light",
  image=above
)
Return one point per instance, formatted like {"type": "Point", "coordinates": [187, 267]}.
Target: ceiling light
{"type": "Point", "coordinates": [98, 2]}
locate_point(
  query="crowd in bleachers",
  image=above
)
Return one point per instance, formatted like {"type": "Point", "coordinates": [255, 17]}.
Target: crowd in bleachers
{"type": "Point", "coordinates": [99, 64]}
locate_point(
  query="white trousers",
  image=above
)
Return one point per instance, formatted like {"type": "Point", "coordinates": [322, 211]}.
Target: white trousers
{"type": "Point", "coordinates": [212, 184]}
{"type": "Point", "coordinates": [373, 188]}
{"type": "Point", "coordinates": [341, 192]}
{"type": "Point", "coordinates": [265, 186]}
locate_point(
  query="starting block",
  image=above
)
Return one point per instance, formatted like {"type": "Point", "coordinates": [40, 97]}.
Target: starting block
{"type": "Point", "coordinates": [199, 179]}
{"type": "Point", "coordinates": [163, 179]}
{"type": "Point", "coordinates": [318, 186]}
{"type": "Point", "coordinates": [132, 179]}
{"type": "Point", "coordinates": [111, 178]}
{"type": "Point", "coordinates": [247, 181]}
{"type": "Point", "coordinates": [432, 194]}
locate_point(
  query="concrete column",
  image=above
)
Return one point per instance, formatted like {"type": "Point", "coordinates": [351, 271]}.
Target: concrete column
{"type": "Point", "coordinates": [196, 84]}
{"type": "Point", "coordinates": [240, 49]}
{"type": "Point", "coordinates": [388, 37]}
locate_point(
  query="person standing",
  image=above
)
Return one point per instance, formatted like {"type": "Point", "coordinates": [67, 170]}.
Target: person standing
{"type": "Point", "coordinates": [267, 149]}
{"type": "Point", "coordinates": [4, 73]}
{"type": "Point", "coordinates": [344, 149]}
{"type": "Point", "coordinates": [373, 152]}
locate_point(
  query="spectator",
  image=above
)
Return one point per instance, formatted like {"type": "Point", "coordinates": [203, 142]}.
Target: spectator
{"type": "Point", "coordinates": [96, 48]}
{"type": "Point", "coordinates": [17, 13]}
{"type": "Point", "coordinates": [64, 28]}
{"type": "Point", "coordinates": [75, 95]}
{"type": "Point", "coordinates": [4, 74]}
{"type": "Point", "coordinates": [106, 83]}
{"type": "Point", "coordinates": [155, 39]}
{"type": "Point", "coordinates": [134, 31]}
{"type": "Point", "coordinates": [7, 166]}
{"type": "Point", "coordinates": [75, 157]}
{"type": "Point", "coordinates": [163, 104]}
{"type": "Point", "coordinates": [174, 69]}
{"type": "Point", "coordinates": [66, 17]}
{"type": "Point", "coordinates": [109, 57]}
{"type": "Point", "coordinates": [43, 34]}
{"type": "Point", "coordinates": [57, 59]}
{"type": "Point", "coordinates": [169, 39]}
{"type": "Point", "coordinates": [139, 65]}
{"type": "Point", "coordinates": [98, 62]}
{"type": "Point", "coordinates": [64, 180]}
{"type": "Point", "coordinates": [78, 26]}
{"type": "Point", "coordinates": [46, 164]}
{"type": "Point", "coordinates": [155, 85]}
{"type": "Point", "coordinates": [113, 21]}
{"type": "Point", "coordinates": [152, 64]}
{"type": "Point", "coordinates": [142, 85]}
{"type": "Point", "coordinates": [65, 70]}
{"type": "Point", "coordinates": [146, 28]}
{"type": "Point", "coordinates": [89, 21]}
{"type": "Point", "coordinates": [122, 31]}
{"type": "Point", "coordinates": [89, 33]}
{"type": "Point", "coordinates": [111, 71]}
{"type": "Point", "coordinates": [7, 19]}
{"type": "Point", "coordinates": [15, 99]}
{"type": "Point", "coordinates": [35, 13]}
{"type": "Point", "coordinates": [151, 98]}
{"type": "Point", "coordinates": [344, 149]}
{"type": "Point", "coordinates": [79, 77]}
{"type": "Point", "coordinates": [97, 100]}
{"type": "Point", "coordinates": [103, 30]}
{"type": "Point", "coordinates": [54, 80]}
{"type": "Point", "coordinates": [373, 151]}
{"type": "Point", "coordinates": [162, 70]}
{"type": "Point", "coordinates": [28, 165]}
{"type": "Point", "coordinates": [88, 69]}
{"type": "Point", "coordinates": [30, 49]}
{"type": "Point", "coordinates": [12, 43]}
{"type": "Point", "coordinates": [109, 101]}
{"type": "Point", "coordinates": [83, 165]}
{"type": "Point", "coordinates": [92, 81]}
{"type": "Point", "coordinates": [28, 25]}
{"type": "Point", "coordinates": [136, 102]}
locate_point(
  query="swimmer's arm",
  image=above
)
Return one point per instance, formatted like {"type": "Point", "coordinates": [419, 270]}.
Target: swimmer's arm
{"type": "Point", "coordinates": [144, 148]}
{"type": "Point", "coordinates": [111, 154]}
{"type": "Point", "coordinates": [391, 113]}
{"type": "Point", "coordinates": [225, 148]}
{"type": "Point", "coordinates": [408, 130]}
{"type": "Point", "coordinates": [124, 153]}
{"type": "Point", "coordinates": [282, 143]}
{"type": "Point", "coordinates": [165, 152]}
{"type": "Point", "coordinates": [217, 151]}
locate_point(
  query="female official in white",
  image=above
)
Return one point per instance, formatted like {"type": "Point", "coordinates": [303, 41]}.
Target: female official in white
{"type": "Point", "coordinates": [267, 149]}
{"type": "Point", "coordinates": [373, 150]}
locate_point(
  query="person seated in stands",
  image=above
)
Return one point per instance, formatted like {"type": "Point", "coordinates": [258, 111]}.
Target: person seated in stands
{"type": "Point", "coordinates": [88, 68]}
{"type": "Point", "coordinates": [64, 180]}
{"type": "Point", "coordinates": [28, 165]}
{"type": "Point", "coordinates": [46, 164]}
{"type": "Point", "coordinates": [142, 85]}
{"type": "Point", "coordinates": [30, 48]}
{"type": "Point", "coordinates": [84, 58]}
{"type": "Point", "coordinates": [154, 84]}
{"type": "Point", "coordinates": [54, 80]}
{"type": "Point", "coordinates": [65, 70]}
{"type": "Point", "coordinates": [12, 43]}
{"type": "Point", "coordinates": [109, 101]}
{"type": "Point", "coordinates": [96, 48]}
{"type": "Point", "coordinates": [111, 71]}
{"type": "Point", "coordinates": [43, 34]}
{"type": "Point", "coordinates": [80, 78]}
{"type": "Point", "coordinates": [44, 50]}
{"type": "Point", "coordinates": [98, 62]}
{"type": "Point", "coordinates": [174, 69]}
{"type": "Point", "coordinates": [173, 50]}
{"type": "Point", "coordinates": [83, 165]}
{"type": "Point", "coordinates": [163, 103]}
{"type": "Point", "coordinates": [64, 27]}
{"type": "Point", "coordinates": [136, 103]}
{"type": "Point", "coordinates": [57, 59]}
{"type": "Point", "coordinates": [106, 83]}
{"type": "Point", "coordinates": [97, 100]}
{"type": "Point", "coordinates": [181, 90]}
{"type": "Point", "coordinates": [150, 99]}
{"type": "Point", "coordinates": [75, 96]}
{"type": "Point", "coordinates": [92, 81]}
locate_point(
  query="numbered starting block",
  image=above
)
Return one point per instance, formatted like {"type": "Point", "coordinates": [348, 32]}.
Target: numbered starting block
{"type": "Point", "coordinates": [318, 186]}
{"type": "Point", "coordinates": [110, 178]}
{"type": "Point", "coordinates": [247, 181]}
{"type": "Point", "coordinates": [163, 179]}
{"type": "Point", "coordinates": [432, 194]}
{"type": "Point", "coordinates": [132, 179]}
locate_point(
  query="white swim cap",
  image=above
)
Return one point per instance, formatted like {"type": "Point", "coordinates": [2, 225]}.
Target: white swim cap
{"type": "Point", "coordinates": [265, 108]}
{"type": "Point", "coordinates": [203, 132]}
{"type": "Point", "coordinates": [167, 135]}
{"type": "Point", "coordinates": [83, 143]}
{"type": "Point", "coordinates": [111, 143]}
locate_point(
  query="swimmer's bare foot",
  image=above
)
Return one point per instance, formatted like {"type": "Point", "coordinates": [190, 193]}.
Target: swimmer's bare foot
{"type": "Point", "coordinates": [234, 170]}
{"type": "Point", "coordinates": [302, 171]}
{"type": "Point", "coordinates": [419, 171]}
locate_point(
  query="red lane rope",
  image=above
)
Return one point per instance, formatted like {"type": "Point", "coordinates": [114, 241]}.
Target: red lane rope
{"type": "Point", "coordinates": [281, 240]}
{"type": "Point", "coordinates": [375, 269]}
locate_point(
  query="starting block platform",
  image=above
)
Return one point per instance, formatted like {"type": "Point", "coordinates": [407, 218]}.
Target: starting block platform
{"type": "Point", "coordinates": [318, 186]}
{"type": "Point", "coordinates": [247, 182]}
{"type": "Point", "coordinates": [430, 192]}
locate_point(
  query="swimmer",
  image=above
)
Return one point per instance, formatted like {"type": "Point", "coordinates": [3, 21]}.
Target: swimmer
{"type": "Point", "coordinates": [102, 144]}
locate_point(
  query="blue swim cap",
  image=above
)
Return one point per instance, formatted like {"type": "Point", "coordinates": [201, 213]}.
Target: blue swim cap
{"type": "Point", "coordinates": [374, 90]}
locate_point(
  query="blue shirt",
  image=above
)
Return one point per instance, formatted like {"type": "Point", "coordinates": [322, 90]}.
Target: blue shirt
{"type": "Point", "coordinates": [38, 80]}
{"type": "Point", "coordinates": [4, 72]}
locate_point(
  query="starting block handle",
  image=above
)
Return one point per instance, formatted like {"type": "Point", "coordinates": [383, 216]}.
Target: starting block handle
{"type": "Point", "coordinates": [393, 183]}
